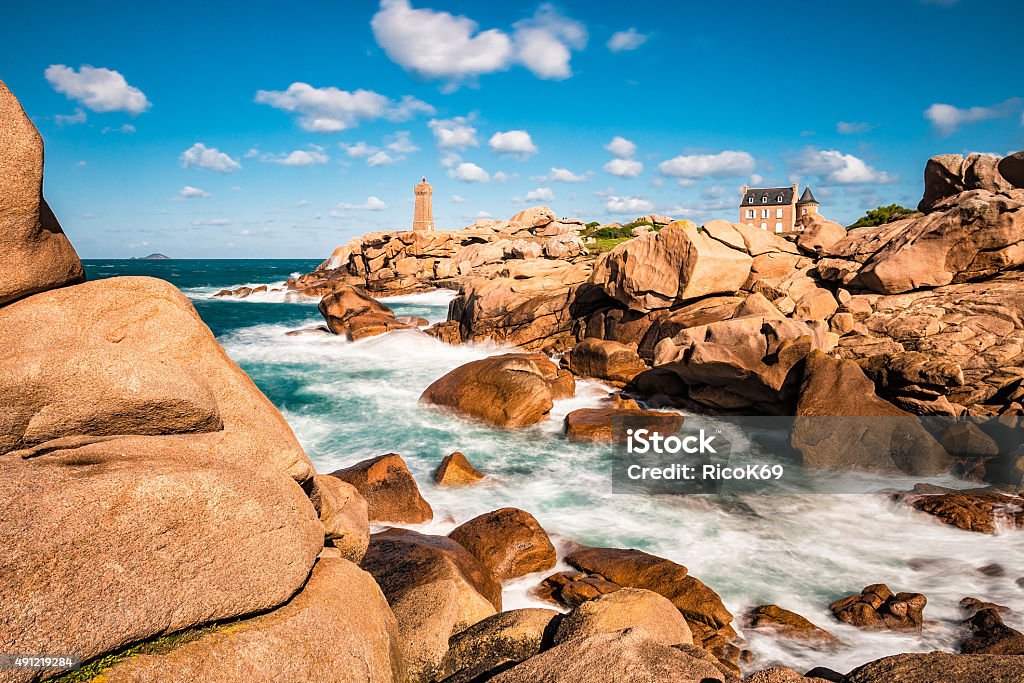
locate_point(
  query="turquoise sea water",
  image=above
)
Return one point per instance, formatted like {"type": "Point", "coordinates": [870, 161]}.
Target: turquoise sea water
{"type": "Point", "coordinates": [350, 401]}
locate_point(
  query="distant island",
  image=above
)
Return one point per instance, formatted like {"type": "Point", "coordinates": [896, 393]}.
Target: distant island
{"type": "Point", "coordinates": [151, 257]}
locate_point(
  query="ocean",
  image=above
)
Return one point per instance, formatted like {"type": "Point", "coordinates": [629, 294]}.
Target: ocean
{"type": "Point", "coordinates": [350, 401]}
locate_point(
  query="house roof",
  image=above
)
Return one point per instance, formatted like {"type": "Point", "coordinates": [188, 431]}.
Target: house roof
{"type": "Point", "coordinates": [807, 197]}
{"type": "Point", "coordinates": [768, 196]}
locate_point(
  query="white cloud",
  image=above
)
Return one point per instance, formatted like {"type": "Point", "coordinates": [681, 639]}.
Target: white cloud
{"type": "Point", "coordinates": [454, 133]}
{"type": "Point", "coordinates": [837, 168]}
{"type": "Point", "coordinates": [516, 142]}
{"type": "Point", "coordinates": [947, 119]}
{"type": "Point", "coordinates": [854, 127]}
{"type": "Point", "coordinates": [329, 109]}
{"type": "Point", "coordinates": [189, 192]}
{"type": "Point", "coordinates": [300, 157]}
{"type": "Point", "coordinates": [98, 89]}
{"type": "Point", "coordinates": [468, 173]}
{"type": "Point", "coordinates": [546, 41]}
{"type": "Point", "coordinates": [629, 39]}
{"type": "Point", "coordinates": [125, 128]}
{"type": "Point", "coordinates": [624, 168]}
{"type": "Point", "coordinates": [459, 199]}
{"type": "Point", "coordinates": [212, 221]}
{"type": "Point", "coordinates": [201, 156]}
{"type": "Point", "coordinates": [501, 177]}
{"type": "Point", "coordinates": [727, 163]}
{"type": "Point", "coordinates": [401, 143]}
{"type": "Point", "coordinates": [621, 147]}
{"type": "Point", "coordinates": [371, 204]}
{"type": "Point", "coordinates": [564, 175]}
{"type": "Point", "coordinates": [441, 45]}
{"type": "Point", "coordinates": [358, 149]}
{"type": "Point", "coordinates": [627, 205]}
{"type": "Point", "coordinates": [71, 119]}
{"type": "Point", "coordinates": [541, 194]}
{"type": "Point", "coordinates": [381, 158]}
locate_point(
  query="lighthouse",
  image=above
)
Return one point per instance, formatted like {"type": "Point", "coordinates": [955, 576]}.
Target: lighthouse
{"type": "Point", "coordinates": [423, 215]}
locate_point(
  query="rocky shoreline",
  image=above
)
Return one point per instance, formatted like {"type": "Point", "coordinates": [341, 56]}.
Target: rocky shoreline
{"type": "Point", "coordinates": [165, 524]}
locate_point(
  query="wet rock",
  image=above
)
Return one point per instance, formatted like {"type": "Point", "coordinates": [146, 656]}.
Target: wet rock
{"type": "Point", "coordinates": [372, 325]}
{"type": "Point", "coordinates": [510, 390]}
{"type": "Point", "coordinates": [492, 645]}
{"type": "Point", "coordinates": [509, 542]}
{"type": "Point", "coordinates": [787, 625]}
{"type": "Point", "coordinates": [990, 636]}
{"type": "Point", "coordinates": [626, 608]}
{"type": "Point", "coordinates": [436, 589]}
{"type": "Point", "coordinates": [627, 656]}
{"type": "Point", "coordinates": [456, 470]}
{"type": "Point", "coordinates": [596, 424]}
{"type": "Point", "coordinates": [606, 360]}
{"type": "Point", "coordinates": [967, 439]}
{"type": "Point", "coordinates": [389, 489]}
{"type": "Point", "coordinates": [337, 629]}
{"type": "Point", "coordinates": [345, 303]}
{"type": "Point", "coordinates": [876, 608]}
{"type": "Point", "coordinates": [344, 514]}
{"type": "Point", "coordinates": [572, 588]}
{"type": "Point", "coordinates": [36, 254]}
{"type": "Point", "coordinates": [940, 666]}
{"type": "Point", "coordinates": [981, 512]}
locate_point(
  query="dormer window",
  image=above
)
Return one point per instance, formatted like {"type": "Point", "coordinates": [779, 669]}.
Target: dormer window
{"type": "Point", "coordinates": [764, 199]}
{"type": "Point", "coordinates": [750, 200]}
{"type": "Point", "coordinates": [779, 198]}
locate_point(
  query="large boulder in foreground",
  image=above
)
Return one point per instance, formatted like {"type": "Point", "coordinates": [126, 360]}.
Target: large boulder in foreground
{"type": "Point", "coordinates": [510, 390]}
{"type": "Point", "coordinates": [389, 489]}
{"type": "Point", "coordinates": [947, 175]}
{"type": "Point", "coordinates": [146, 485]}
{"type": "Point", "coordinates": [338, 629]}
{"type": "Point", "coordinates": [841, 424]}
{"type": "Point", "coordinates": [35, 253]}
{"type": "Point", "coordinates": [933, 667]}
{"type": "Point", "coordinates": [678, 263]}
{"type": "Point", "coordinates": [626, 656]}
{"type": "Point", "coordinates": [436, 589]}
{"type": "Point", "coordinates": [509, 542]}
{"type": "Point", "coordinates": [354, 314]}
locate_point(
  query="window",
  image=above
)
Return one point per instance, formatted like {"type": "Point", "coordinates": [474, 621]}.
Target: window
{"type": "Point", "coordinates": [778, 227]}
{"type": "Point", "coordinates": [750, 213]}
{"type": "Point", "coordinates": [778, 213]}
{"type": "Point", "coordinates": [750, 200]}
{"type": "Point", "coordinates": [764, 213]}
{"type": "Point", "coordinates": [803, 212]}
{"type": "Point", "coordinates": [764, 199]}
{"type": "Point", "coordinates": [779, 198]}
{"type": "Point", "coordinates": [764, 226]}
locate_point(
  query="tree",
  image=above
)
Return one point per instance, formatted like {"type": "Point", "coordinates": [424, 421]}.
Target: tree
{"type": "Point", "coordinates": [883, 215]}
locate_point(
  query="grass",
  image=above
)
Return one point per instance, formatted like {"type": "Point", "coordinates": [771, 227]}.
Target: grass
{"type": "Point", "coordinates": [93, 670]}
{"type": "Point", "coordinates": [601, 245]}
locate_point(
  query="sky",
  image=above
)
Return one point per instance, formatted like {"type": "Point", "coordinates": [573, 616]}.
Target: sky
{"type": "Point", "coordinates": [205, 130]}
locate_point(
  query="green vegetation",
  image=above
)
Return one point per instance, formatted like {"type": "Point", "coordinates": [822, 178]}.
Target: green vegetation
{"type": "Point", "coordinates": [592, 224]}
{"type": "Point", "coordinates": [157, 646]}
{"type": "Point", "coordinates": [601, 245]}
{"type": "Point", "coordinates": [883, 215]}
{"type": "Point", "coordinates": [607, 237]}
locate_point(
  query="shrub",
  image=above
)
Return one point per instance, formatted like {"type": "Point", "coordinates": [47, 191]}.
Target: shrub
{"type": "Point", "coordinates": [883, 215]}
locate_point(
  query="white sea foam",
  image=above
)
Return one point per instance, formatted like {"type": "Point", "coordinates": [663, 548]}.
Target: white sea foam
{"type": "Point", "coordinates": [350, 401]}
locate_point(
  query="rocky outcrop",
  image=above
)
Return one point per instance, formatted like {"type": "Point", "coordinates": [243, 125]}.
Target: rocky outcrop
{"type": "Point", "coordinates": [572, 588]}
{"type": "Point", "coordinates": [842, 424]}
{"type": "Point", "coordinates": [338, 629]}
{"type": "Point", "coordinates": [436, 589]}
{"type": "Point", "coordinates": [877, 608]}
{"type": "Point", "coordinates": [509, 542]}
{"type": "Point", "coordinates": [390, 491]}
{"type": "Point", "coordinates": [786, 625]}
{"type": "Point", "coordinates": [818, 234]}
{"type": "Point", "coordinates": [344, 514]}
{"type": "Point", "coordinates": [492, 645]}
{"type": "Point", "coordinates": [349, 311]}
{"type": "Point", "coordinates": [626, 608]}
{"type": "Point", "coordinates": [597, 424]}
{"type": "Point", "coordinates": [948, 175]}
{"type": "Point", "coordinates": [456, 470]}
{"type": "Point", "coordinates": [510, 390]}
{"type": "Point", "coordinates": [626, 656]}
{"type": "Point", "coordinates": [989, 634]}
{"type": "Point", "coordinates": [607, 360]}
{"type": "Point", "coordinates": [35, 253]}
{"type": "Point", "coordinates": [981, 512]}
{"type": "Point", "coordinates": [940, 666]}
{"type": "Point", "coordinates": [679, 262]}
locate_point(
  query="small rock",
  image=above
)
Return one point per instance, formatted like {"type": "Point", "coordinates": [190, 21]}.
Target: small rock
{"type": "Point", "coordinates": [876, 608]}
{"type": "Point", "coordinates": [389, 489]}
{"type": "Point", "coordinates": [455, 470]}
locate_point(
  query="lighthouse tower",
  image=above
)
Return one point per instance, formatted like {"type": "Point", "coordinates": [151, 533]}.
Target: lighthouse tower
{"type": "Point", "coordinates": [423, 215]}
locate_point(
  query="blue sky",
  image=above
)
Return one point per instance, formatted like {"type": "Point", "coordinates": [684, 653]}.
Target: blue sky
{"type": "Point", "coordinates": [203, 131]}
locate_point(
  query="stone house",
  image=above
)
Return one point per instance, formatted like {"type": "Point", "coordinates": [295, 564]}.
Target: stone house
{"type": "Point", "coordinates": [776, 208]}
